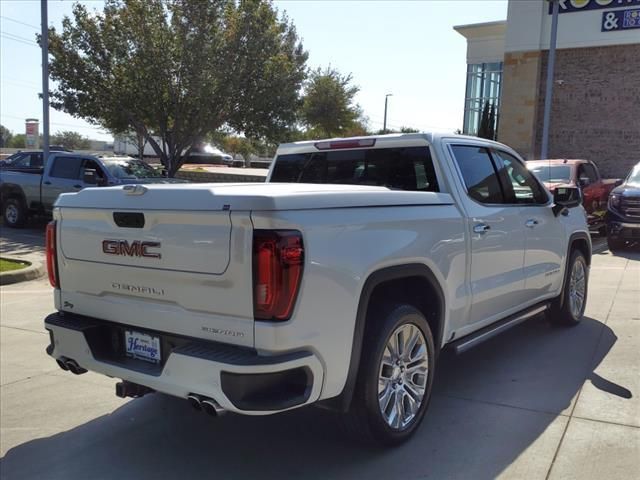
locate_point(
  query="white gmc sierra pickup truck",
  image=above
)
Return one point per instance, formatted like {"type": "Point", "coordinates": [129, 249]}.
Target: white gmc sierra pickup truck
{"type": "Point", "coordinates": [335, 283]}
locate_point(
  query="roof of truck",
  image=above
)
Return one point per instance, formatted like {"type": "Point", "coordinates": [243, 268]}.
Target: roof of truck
{"type": "Point", "coordinates": [391, 140]}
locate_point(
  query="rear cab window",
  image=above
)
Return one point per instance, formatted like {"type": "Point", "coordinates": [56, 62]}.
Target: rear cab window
{"type": "Point", "coordinates": [401, 168]}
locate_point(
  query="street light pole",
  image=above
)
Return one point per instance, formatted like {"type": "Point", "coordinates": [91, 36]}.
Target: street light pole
{"type": "Point", "coordinates": [544, 151]}
{"type": "Point", "coordinates": [45, 80]}
{"type": "Point", "coordinates": [386, 98]}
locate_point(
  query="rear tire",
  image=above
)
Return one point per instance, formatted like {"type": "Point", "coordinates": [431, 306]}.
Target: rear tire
{"type": "Point", "coordinates": [615, 244]}
{"type": "Point", "coordinates": [393, 388]}
{"type": "Point", "coordinates": [568, 309]}
{"type": "Point", "coordinates": [14, 213]}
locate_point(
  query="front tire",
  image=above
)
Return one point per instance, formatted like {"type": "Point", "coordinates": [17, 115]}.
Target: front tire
{"type": "Point", "coordinates": [395, 377]}
{"type": "Point", "coordinates": [615, 244]}
{"type": "Point", "coordinates": [569, 308]}
{"type": "Point", "coordinates": [14, 213]}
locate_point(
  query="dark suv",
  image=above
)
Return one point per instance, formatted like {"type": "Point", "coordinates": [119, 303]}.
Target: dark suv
{"type": "Point", "coordinates": [623, 212]}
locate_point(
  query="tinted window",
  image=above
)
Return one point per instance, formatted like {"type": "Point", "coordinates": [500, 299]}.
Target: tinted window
{"type": "Point", "coordinates": [408, 168]}
{"type": "Point", "coordinates": [66, 167]}
{"type": "Point", "coordinates": [478, 173]}
{"type": "Point", "coordinates": [26, 160]}
{"type": "Point", "coordinates": [92, 165]}
{"type": "Point", "coordinates": [588, 170]}
{"type": "Point", "coordinates": [521, 187]}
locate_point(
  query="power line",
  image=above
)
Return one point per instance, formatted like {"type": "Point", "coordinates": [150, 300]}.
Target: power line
{"type": "Point", "coordinates": [21, 23]}
{"type": "Point", "coordinates": [12, 79]}
{"type": "Point", "coordinates": [19, 39]}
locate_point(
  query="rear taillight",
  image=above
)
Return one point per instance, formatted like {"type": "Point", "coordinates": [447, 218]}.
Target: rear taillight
{"type": "Point", "coordinates": [52, 259]}
{"type": "Point", "coordinates": [278, 258]}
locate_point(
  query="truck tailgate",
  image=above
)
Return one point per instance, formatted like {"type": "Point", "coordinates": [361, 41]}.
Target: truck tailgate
{"type": "Point", "coordinates": [172, 274]}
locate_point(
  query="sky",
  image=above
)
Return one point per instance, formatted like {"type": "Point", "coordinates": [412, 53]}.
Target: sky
{"type": "Point", "coordinates": [406, 48]}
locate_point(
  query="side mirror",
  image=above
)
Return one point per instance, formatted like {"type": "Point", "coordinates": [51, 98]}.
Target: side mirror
{"type": "Point", "coordinates": [89, 176]}
{"type": "Point", "coordinates": [584, 181]}
{"type": "Point", "coordinates": [618, 182]}
{"type": "Point", "coordinates": [565, 198]}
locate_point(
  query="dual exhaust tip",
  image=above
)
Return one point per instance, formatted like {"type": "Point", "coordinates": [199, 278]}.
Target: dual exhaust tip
{"type": "Point", "coordinates": [70, 365]}
{"type": "Point", "coordinates": [205, 404]}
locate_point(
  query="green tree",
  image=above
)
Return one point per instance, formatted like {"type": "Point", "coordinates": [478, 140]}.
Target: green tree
{"type": "Point", "coordinates": [402, 130]}
{"type": "Point", "coordinates": [18, 141]}
{"type": "Point", "coordinates": [5, 136]}
{"type": "Point", "coordinates": [487, 127]}
{"type": "Point", "coordinates": [71, 140]}
{"type": "Point", "coordinates": [329, 109]}
{"type": "Point", "coordinates": [179, 69]}
{"type": "Point", "coordinates": [493, 122]}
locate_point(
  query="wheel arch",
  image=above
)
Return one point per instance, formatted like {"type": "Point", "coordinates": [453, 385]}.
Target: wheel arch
{"type": "Point", "coordinates": [12, 190]}
{"type": "Point", "coordinates": [577, 241]}
{"type": "Point", "coordinates": [390, 279]}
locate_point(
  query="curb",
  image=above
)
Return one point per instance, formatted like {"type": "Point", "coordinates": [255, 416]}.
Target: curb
{"type": "Point", "coordinates": [33, 271]}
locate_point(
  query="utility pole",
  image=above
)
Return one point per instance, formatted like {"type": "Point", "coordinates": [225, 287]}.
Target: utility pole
{"type": "Point", "coordinates": [551, 63]}
{"type": "Point", "coordinates": [386, 98]}
{"type": "Point", "coordinates": [45, 80]}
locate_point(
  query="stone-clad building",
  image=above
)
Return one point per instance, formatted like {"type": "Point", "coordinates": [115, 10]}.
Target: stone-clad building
{"type": "Point", "coordinates": [596, 99]}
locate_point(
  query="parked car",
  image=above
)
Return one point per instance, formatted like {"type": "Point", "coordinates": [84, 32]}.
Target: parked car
{"type": "Point", "coordinates": [209, 154]}
{"type": "Point", "coordinates": [585, 175]}
{"type": "Point", "coordinates": [623, 214]}
{"type": "Point", "coordinates": [340, 290]}
{"type": "Point", "coordinates": [27, 187]}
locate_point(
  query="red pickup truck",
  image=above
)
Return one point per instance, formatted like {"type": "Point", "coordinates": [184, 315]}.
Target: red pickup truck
{"type": "Point", "coordinates": [581, 173]}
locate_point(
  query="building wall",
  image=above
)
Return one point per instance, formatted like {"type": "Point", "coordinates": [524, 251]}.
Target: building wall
{"type": "Point", "coordinates": [529, 25]}
{"type": "Point", "coordinates": [596, 107]}
{"type": "Point", "coordinates": [518, 105]}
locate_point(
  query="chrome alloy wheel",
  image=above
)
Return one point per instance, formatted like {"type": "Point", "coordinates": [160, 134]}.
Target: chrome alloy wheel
{"type": "Point", "coordinates": [577, 289]}
{"type": "Point", "coordinates": [403, 374]}
{"type": "Point", "coordinates": [11, 214]}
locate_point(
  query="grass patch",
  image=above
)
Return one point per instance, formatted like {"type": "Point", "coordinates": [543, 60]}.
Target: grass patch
{"type": "Point", "coordinates": [9, 265]}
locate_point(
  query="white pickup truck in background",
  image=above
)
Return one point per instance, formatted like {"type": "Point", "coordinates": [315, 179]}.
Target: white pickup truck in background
{"type": "Point", "coordinates": [338, 287]}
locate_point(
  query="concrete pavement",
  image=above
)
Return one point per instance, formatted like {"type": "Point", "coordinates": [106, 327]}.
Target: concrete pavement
{"type": "Point", "coordinates": [537, 402]}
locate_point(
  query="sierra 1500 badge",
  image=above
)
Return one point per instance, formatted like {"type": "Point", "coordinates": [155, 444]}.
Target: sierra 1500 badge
{"type": "Point", "coordinates": [136, 248]}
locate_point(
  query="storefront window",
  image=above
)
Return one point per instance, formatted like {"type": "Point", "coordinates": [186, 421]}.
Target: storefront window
{"type": "Point", "coordinates": [483, 92]}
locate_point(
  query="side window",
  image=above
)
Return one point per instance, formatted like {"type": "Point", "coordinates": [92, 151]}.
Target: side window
{"type": "Point", "coordinates": [36, 160]}
{"type": "Point", "coordinates": [590, 171]}
{"type": "Point", "coordinates": [66, 167]}
{"type": "Point", "coordinates": [522, 186]}
{"type": "Point", "coordinates": [20, 160]}
{"type": "Point", "coordinates": [479, 173]}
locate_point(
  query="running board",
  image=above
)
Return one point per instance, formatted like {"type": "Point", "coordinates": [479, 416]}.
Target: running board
{"type": "Point", "coordinates": [490, 331]}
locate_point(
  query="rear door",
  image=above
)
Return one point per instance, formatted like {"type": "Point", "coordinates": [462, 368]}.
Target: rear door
{"type": "Point", "coordinates": [545, 242]}
{"type": "Point", "coordinates": [497, 236]}
{"type": "Point", "coordinates": [64, 176]}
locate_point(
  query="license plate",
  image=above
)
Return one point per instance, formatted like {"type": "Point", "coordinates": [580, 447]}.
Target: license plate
{"type": "Point", "coordinates": [142, 346]}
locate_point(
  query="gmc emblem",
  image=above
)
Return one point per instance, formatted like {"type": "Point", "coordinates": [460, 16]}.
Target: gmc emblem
{"type": "Point", "coordinates": [133, 249]}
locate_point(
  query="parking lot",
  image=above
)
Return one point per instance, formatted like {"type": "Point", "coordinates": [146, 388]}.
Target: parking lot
{"type": "Point", "coordinates": [537, 402]}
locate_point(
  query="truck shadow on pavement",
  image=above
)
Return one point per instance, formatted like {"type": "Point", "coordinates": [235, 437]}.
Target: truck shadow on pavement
{"type": "Point", "coordinates": [489, 407]}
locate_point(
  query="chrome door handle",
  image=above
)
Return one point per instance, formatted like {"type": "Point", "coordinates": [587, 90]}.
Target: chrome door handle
{"type": "Point", "coordinates": [481, 228]}
{"type": "Point", "coordinates": [531, 223]}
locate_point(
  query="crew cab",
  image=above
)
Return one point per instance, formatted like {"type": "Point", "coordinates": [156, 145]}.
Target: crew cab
{"type": "Point", "coordinates": [27, 186]}
{"type": "Point", "coordinates": [336, 283]}
{"type": "Point", "coordinates": [623, 214]}
{"type": "Point", "coordinates": [585, 175]}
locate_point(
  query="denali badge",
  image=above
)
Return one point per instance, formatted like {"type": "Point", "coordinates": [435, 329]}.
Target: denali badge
{"type": "Point", "coordinates": [138, 289]}
{"type": "Point", "coordinates": [133, 249]}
